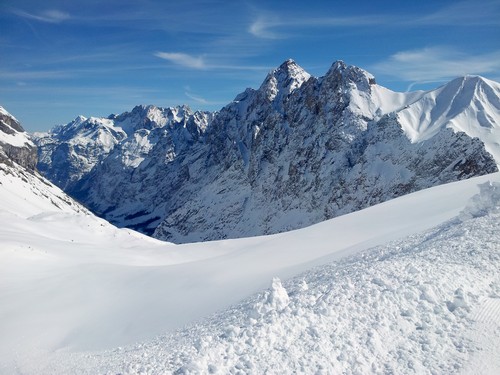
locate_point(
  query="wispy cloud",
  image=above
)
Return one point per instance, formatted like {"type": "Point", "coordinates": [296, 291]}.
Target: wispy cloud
{"type": "Point", "coordinates": [464, 13]}
{"type": "Point", "coordinates": [262, 28]}
{"type": "Point", "coordinates": [49, 16]}
{"type": "Point", "coordinates": [183, 59]}
{"type": "Point", "coordinates": [201, 100]}
{"type": "Point", "coordinates": [34, 74]}
{"type": "Point", "coordinates": [277, 28]}
{"type": "Point", "coordinates": [200, 62]}
{"type": "Point", "coordinates": [196, 98]}
{"type": "Point", "coordinates": [434, 64]}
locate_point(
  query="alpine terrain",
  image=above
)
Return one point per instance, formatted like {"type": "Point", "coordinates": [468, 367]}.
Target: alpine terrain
{"type": "Point", "coordinates": [296, 151]}
{"type": "Point", "coordinates": [19, 178]}
{"type": "Point", "coordinates": [408, 286]}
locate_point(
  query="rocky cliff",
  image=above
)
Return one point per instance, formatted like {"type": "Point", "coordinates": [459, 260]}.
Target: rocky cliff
{"type": "Point", "coordinates": [15, 143]}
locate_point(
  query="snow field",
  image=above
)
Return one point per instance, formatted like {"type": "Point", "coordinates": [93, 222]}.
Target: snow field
{"type": "Point", "coordinates": [73, 287]}
{"type": "Point", "coordinates": [424, 304]}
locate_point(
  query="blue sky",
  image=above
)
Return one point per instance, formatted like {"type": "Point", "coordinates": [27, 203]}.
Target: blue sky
{"type": "Point", "coordinates": [61, 58]}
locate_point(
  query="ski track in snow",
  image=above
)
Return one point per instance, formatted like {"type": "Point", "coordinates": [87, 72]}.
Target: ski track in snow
{"type": "Point", "coordinates": [486, 333]}
{"type": "Point", "coordinates": [426, 304]}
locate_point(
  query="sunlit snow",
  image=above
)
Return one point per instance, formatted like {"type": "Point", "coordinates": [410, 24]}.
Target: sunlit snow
{"type": "Point", "coordinates": [77, 295]}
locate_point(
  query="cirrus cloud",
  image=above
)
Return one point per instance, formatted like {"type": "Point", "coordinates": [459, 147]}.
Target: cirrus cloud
{"type": "Point", "coordinates": [434, 64]}
{"type": "Point", "coordinates": [275, 28]}
{"type": "Point", "coordinates": [49, 16]}
{"type": "Point", "coordinates": [182, 59]}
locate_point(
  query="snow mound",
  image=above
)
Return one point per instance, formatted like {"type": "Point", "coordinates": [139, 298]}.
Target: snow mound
{"type": "Point", "coordinates": [276, 299]}
{"type": "Point", "coordinates": [487, 201]}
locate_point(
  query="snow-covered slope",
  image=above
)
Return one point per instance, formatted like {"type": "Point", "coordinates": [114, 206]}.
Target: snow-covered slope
{"type": "Point", "coordinates": [469, 104]}
{"type": "Point", "coordinates": [296, 151]}
{"type": "Point", "coordinates": [72, 286]}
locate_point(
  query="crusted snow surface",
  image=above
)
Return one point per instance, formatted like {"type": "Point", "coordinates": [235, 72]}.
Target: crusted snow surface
{"type": "Point", "coordinates": [425, 304]}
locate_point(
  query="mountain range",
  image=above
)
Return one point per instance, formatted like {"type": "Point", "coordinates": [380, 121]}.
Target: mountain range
{"type": "Point", "coordinates": [296, 151]}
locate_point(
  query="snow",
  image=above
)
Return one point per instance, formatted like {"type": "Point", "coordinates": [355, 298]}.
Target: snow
{"type": "Point", "coordinates": [282, 81]}
{"type": "Point", "coordinates": [4, 112]}
{"type": "Point", "coordinates": [77, 295]}
{"type": "Point", "coordinates": [16, 139]}
{"type": "Point", "coordinates": [468, 104]}
{"type": "Point", "coordinates": [407, 307]}
{"type": "Point", "coordinates": [135, 149]}
{"type": "Point", "coordinates": [388, 101]}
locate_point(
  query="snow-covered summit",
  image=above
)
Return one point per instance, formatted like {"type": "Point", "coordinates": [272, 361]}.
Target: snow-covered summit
{"type": "Point", "coordinates": [70, 151]}
{"type": "Point", "coordinates": [350, 75]}
{"type": "Point", "coordinates": [4, 112]}
{"type": "Point", "coordinates": [284, 80]}
{"type": "Point", "coordinates": [469, 104]}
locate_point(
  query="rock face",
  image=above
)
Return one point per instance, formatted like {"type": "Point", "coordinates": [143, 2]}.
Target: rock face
{"type": "Point", "coordinates": [294, 152]}
{"type": "Point", "coordinates": [15, 144]}
{"type": "Point", "coordinates": [20, 183]}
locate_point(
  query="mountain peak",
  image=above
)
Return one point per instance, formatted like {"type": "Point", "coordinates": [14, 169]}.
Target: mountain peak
{"type": "Point", "coordinates": [471, 79]}
{"type": "Point", "coordinates": [287, 64]}
{"type": "Point", "coordinates": [349, 74]}
{"type": "Point", "coordinates": [280, 82]}
{"type": "Point", "coordinates": [289, 69]}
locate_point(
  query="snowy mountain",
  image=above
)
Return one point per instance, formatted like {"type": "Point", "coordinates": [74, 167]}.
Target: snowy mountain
{"type": "Point", "coordinates": [469, 104]}
{"type": "Point", "coordinates": [296, 151]}
{"type": "Point", "coordinates": [68, 152]}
